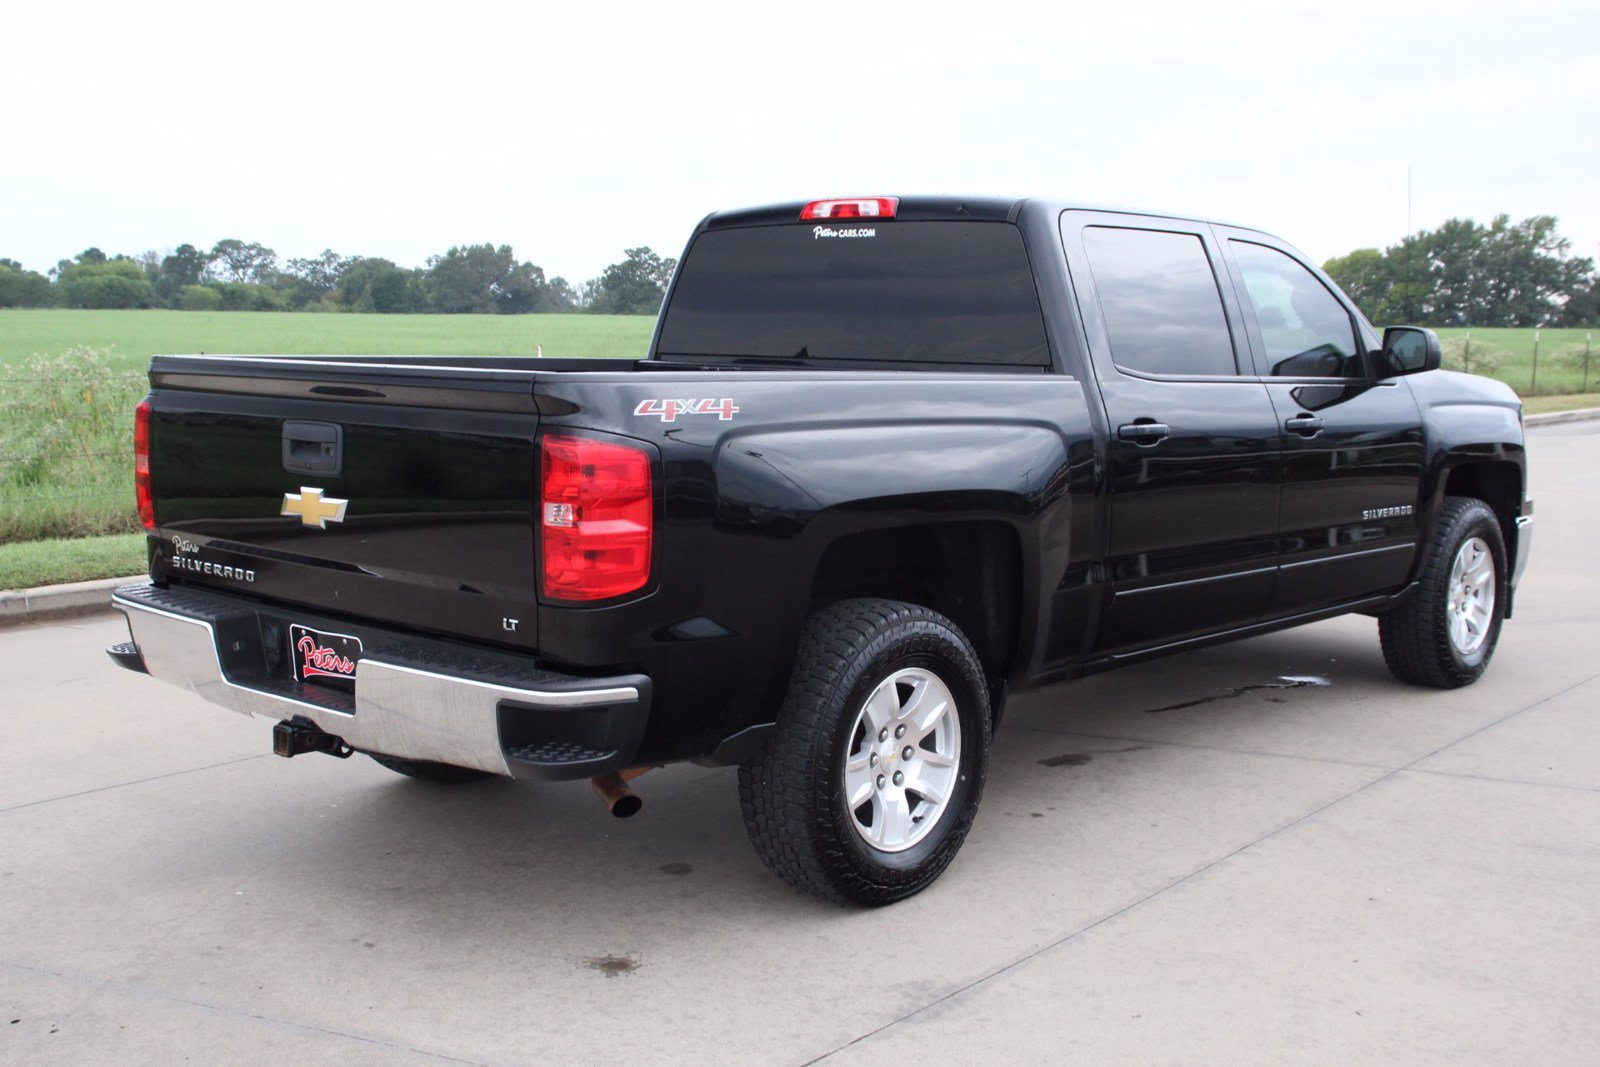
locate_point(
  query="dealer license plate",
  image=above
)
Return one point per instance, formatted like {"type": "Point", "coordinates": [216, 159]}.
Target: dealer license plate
{"type": "Point", "coordinates": [323, 658]}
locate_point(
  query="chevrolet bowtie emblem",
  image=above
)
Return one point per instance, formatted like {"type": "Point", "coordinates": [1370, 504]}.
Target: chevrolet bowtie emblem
{"type": "Point", "coordinates": [313, 508]}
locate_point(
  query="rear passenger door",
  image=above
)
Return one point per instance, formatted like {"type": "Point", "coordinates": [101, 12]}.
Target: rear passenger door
{"type": "Point", "coordinates": [1352, 444]}
{"type": "Point", "coordinates": [1194, 450]}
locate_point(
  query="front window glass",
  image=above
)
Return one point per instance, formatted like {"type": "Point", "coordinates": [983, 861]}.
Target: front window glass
{"type": "Point", "coordinates": [1307, 333]}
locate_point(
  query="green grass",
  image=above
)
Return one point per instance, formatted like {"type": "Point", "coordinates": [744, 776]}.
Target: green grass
{"type": "Point", "coordinates": [35, 563]}
{"type": "Point", "coordinates": [1545, 405]}
{"type": "Point", "coordinates": [1560, 357]}
{"type": "Point", "coordinates": [69, 381]}
{"type": "Point", "coordinates": [134, 336]}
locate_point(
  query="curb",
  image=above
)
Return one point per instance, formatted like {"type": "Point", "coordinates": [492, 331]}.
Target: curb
{"type": "Point", "coordinates": [59, 601]}
{"type": "Point", "coordinates": [1554, 417]}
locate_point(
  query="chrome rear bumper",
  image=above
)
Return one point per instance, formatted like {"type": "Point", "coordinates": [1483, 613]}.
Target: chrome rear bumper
{"type": "Point", "coordinates": [413, 699]}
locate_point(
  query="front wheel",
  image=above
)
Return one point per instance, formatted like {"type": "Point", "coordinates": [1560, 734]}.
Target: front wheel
{"type": "Point", "coordinates": [1445, 634]}
{"type": "Point", "coordinates": [870, 781]}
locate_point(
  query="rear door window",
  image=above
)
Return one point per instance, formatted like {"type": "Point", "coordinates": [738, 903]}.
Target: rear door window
{"type": "Point", "coordinates": [1159, 297]}
{"type": "Point", "coordinates": [870, 291]}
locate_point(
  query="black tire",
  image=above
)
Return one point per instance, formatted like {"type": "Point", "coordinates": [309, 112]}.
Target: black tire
{"type": "Point", "coordinates": [1416, 635]}
{"type": "Point", "coordinates": [428, 771]}
{"type": "Point", "coordinates": [793, 795]}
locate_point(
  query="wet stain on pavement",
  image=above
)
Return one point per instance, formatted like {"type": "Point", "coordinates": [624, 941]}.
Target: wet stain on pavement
{"type": "Point", "coordinates": [675, 868]}
{"type": "Point", "coordinates": [1287, 681]}
{"type": "Point", "coordinates": [1078, 759]}
{"type": "Point", "coordinates": [612, 966]}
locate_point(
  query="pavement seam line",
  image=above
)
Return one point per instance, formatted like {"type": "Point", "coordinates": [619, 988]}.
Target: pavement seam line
{"type": "Point", "coordinates": [99, 985]}
{"type": "Point", "coordinates": [124, 785]}
{"type": "Point", "coordinates": [1196, 873]}
{"type": "Point", "coordinates": [1463, 776]}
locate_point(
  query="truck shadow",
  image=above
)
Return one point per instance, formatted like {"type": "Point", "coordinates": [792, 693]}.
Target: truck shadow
{"type": "Point", "coordinates": [521, 849]}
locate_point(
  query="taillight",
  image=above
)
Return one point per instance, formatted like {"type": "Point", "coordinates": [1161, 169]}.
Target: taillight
{"type": "Point", "coordinates": [141, 465]}
{"type": "Point", "coordinates": [597, 514]}
{"type": "Point", "coordinates": [859, 207]}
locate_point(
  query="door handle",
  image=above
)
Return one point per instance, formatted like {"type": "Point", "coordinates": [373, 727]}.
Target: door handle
{"type": "Point", "coordinates": [1305, 425]}
{"type": "Point", "coordinates": [1144, 432]}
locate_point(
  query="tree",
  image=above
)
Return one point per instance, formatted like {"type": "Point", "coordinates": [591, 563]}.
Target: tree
{"type": "Point", "coordinates": [117, 283]}
{"type": "Point", "coordinates": [199, 298]}
{"type": "Point", "coordinates": [483, 278]}
{"type": "Point", "coordinates": [1367, 276]}
{"type": "Point", "coordinates": [233, 260]}
{"type": "Point", "coordinates": [248, 296]}
{"type": "Point", "coordinates": [561, 296]}
{"type": "Point", "coordinates": [1583, 305]}
{"type": "Point", "coordinates": [20, 288]}
{"type": "Point", "coordinates": [379, 285]}
{"type": "Point", "coordinates": [635, 286]}
{"type": "Point", "coordinates": [320, 275]}
{"type": "Point", "coordinates": [1466, 274]}
{"type": "Point", "coordinates": [181, 270]}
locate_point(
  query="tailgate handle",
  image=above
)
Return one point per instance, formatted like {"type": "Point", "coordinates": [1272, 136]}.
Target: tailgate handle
{"type": "Point", "coordinates": [313, 447]}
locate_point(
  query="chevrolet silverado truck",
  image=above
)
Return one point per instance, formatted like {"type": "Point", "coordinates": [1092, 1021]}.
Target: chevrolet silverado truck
{"type": "Point", "coordinates": [885, 461]}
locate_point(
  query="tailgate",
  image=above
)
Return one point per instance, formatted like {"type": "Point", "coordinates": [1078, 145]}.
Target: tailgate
{"type": "Point", "coordinates": [400, 493]}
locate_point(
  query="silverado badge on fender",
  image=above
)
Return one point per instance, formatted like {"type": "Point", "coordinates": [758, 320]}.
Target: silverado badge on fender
{"type": "Point", "coordinates": [313, 508]}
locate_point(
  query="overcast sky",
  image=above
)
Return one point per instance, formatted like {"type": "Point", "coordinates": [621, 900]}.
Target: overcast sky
{"type": "Point", "coordinates": [398, 130]}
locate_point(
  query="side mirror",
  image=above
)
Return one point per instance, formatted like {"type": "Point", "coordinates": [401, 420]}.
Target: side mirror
{"type": "Point", "coordinates": [1409, 350]}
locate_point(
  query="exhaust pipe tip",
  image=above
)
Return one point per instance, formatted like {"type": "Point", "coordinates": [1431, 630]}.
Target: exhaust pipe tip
{"type": "Point", "coordinates": [614, 793]}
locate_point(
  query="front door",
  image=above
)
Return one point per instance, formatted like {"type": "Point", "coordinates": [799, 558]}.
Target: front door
{"type": "Point", "coordinates": [1352, 444]}
{"type": "Point", "coordinates": [1195, 449]}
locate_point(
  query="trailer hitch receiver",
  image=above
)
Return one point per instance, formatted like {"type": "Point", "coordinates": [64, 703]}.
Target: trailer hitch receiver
{"type": "Point", "coordinates": [298, 735]}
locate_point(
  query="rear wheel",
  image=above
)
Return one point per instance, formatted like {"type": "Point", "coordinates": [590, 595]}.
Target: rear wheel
{"type": "Point", "coordinates": [868, 785]}
{"type": "Point", "coordinates": [1445, 634]}
{"type": "Point", "coordinates": [428, 771]}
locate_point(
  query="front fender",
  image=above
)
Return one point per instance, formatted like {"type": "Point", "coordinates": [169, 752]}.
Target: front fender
{"type": "Point", "coordinates": [1470, 421]}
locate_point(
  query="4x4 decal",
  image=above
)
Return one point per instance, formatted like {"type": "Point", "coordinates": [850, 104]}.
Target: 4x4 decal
{"type": "Point", "coordinates": [669, 410]}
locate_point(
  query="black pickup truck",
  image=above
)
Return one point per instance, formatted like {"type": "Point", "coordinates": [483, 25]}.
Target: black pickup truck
{"type": "Point", "coordinates": [886, 460]}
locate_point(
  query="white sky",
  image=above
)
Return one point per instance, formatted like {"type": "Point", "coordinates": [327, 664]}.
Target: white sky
{"type": "Point", "coordinates": [399, 129]}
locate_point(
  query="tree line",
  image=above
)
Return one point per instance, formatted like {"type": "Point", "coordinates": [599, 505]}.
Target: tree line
{"type": "Point", "coordinates": [246, 276]}
{"type": "Point", "coordinates": [1468, 274]}
{"type": "Point", "coordinates": [1461, 274]}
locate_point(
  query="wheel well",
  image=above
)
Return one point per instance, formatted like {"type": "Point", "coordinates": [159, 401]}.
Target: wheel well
{"type": "Point", "coordinates": [968, 572]}
{"type": "Point", "coordinates": [1497, 484]}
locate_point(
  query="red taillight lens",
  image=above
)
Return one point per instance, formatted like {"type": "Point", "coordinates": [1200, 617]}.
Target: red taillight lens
{"type": "Point", "coordinates": [597, 516]}
{"type": "Point", "coordinates": [141, 465]}
{"type": "Point", "coordinates": [859, 207]}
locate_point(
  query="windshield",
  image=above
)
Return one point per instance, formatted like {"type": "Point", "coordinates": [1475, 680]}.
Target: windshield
{"type": "Point", "coordinates": [940, 292]}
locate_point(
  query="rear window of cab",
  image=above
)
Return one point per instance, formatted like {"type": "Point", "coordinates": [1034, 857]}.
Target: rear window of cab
{"type": "Point", "coordinates": [869, 290]}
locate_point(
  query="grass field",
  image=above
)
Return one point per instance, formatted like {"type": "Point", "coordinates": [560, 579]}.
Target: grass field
{"type": "Point", "coordinates": [33, 563]}
{"type": "Point", "coordinates": [1508, 355]}
{"type": "Point", "coordinates": [69, 381]}
{"type": "Point", "coordinates": [134, 336]}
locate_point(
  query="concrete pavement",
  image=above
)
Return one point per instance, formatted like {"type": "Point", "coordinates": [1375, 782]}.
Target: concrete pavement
{"type": "Point", "coordinates": [1359, 872]}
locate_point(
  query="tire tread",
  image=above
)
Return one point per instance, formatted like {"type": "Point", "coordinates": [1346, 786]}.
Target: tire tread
{"type": "Point", "coordinates": [783, 798]}
{"type": "Point", "coordinates": [1415, 634]}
